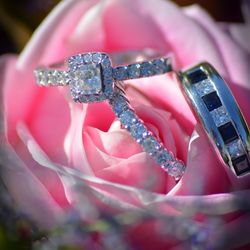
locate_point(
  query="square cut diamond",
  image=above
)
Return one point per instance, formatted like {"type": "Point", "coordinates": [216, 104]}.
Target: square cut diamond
{"type": "Point", "coordinates": [220, 116]}
{"type": "Point", "coordinates": [204, 87]}
{"type": "Point", "coordinates": [235, 148]}
{"type": "Point", "coordinates": [87, 79]}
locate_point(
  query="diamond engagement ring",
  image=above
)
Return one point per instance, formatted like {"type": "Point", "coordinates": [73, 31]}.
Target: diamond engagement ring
{"type": "Point", "coordinates": [92, 78]}
{"type": "Point", "coordinates": [213, 103]}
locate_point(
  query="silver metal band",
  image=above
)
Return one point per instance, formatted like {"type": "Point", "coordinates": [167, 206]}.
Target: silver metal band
{"type": "Point", "coordinates": [214, 104]}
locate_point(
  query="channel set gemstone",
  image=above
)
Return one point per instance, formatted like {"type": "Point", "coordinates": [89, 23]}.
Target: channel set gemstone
{"type": "Point", "coordinates": [241, 165]}
{"type": "Point", "coordinates": [220, 116]}
{"type": "Point", "coordinates": [228, 132]}
{"type": "Point", "coordinates": [197, 76]}
{"type": "Point", "coordinates": [212, 101]}
{"type": "Point", "coordinates": [235, 149]}
{"type": "Point", "coordinates": [204, 87]}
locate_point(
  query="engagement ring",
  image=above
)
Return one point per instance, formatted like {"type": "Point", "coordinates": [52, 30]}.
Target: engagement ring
{"type": "Point", "coordinates": [92, 78]}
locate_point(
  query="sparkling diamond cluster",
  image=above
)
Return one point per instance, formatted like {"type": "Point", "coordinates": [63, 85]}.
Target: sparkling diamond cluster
{"type": "Point", "coordinates": [45, 77]}
{"type": "Point", "coordinates": [206, 89]}
{"type": "Point", "coordinates": [142, 69]}
{"type": "Point", "coordinates": [90, 77]}
{"type": "Point", "coordinates": [144, 137]}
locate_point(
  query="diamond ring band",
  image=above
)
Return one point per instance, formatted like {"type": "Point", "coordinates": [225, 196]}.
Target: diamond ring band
{"type": "Point", "coordinates": [213, 103]}
{"type": "Point", "coordinates": [143, 136]}
{"type": "Point", "coordinates": [92, 78]}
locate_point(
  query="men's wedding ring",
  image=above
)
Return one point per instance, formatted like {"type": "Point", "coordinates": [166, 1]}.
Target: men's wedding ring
{"type": "Point", "coordinates": [214, 104]}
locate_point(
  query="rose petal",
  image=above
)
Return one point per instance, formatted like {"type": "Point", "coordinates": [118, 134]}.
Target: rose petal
{"type": "Point", "coordinates": [237, 71]}
{"type": "Point", "coordinates": [73, 145]}
{"type": "Point", "coordinates": [204, 173]}
{"type": "Point", "coordinates": [164, 92]}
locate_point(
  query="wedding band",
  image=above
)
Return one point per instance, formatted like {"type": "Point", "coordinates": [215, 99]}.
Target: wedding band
{"type": "Point", "coordinates": [214, 104]}
{"type": "Point", "coordinates": [143, 136]}
{"type": "Point", "coordinates": [91, 78]}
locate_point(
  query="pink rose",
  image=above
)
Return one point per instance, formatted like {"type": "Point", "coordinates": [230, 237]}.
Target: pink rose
{"type": "Point", "coordinates": [60, 154]}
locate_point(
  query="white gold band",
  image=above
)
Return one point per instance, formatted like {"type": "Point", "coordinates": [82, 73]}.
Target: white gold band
{"type": "Point", "coordinates": [214, 104]}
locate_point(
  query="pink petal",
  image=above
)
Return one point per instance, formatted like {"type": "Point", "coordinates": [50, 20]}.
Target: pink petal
{"type": "Point", "coordinates": [134, 172]}
{"type": "Point", "coordinates": [164, 92]}
{"type": "Point", "coordinates": [233, 65]}
{"type": "Point", "coordinates": [205, 174]}
{"type": "Point", "coordinates": [73, 145]}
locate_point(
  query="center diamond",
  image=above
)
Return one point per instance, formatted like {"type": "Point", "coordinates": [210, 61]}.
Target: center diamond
{"type": "Point", "coordinates": [87, 79]}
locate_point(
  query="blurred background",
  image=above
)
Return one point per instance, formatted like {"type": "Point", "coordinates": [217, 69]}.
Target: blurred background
{"type": "Point", "coordinates": [18, 19]}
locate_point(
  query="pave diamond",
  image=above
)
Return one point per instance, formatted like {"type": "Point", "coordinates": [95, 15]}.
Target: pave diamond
{"type": "Point", "coordinates": [176, 169]}
{"type": "Point", "coordinates": [151, 145]}
{"type": "Point", "coordinates": [138, 131]}
{"type": "Point", "coordinates": [134, 71]}
{"type": "Point", "coordinates": [235, 149]}
{"type": "Point", "coordinates": [106, 62]}
{"type": "Point", "coordinates": [119, 104]}
{"type": "Point", "coordinates": [164, 157]}
{"type": "Point", "coordinates": [107, 73]}
{"type": "Point", "coordinates": [220, 116]}
{"type": "Point", "coordinates": [41, 77]}
{"type": "Point", "coordinates": [87, 79]}
{"type": "Point", "coordinates": [87, 58]}
{"type": "Point", "coordinates": [97, 57]}
{"type": "Point", "coordinates": [204, 87]}
{"type": "Point", "coordinates": [146, 69]}
{"type": "Point", "coordinates": [128, 118]}
{"type": "Point", "coordinates": [120, 73]}
{"type": "Point", "coordinates": [159, 66]}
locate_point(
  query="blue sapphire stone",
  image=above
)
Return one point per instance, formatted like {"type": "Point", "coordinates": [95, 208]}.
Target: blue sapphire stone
{"type": "Point", "coordinates": [241, 165]}
{"type": "Point", "coordinates": [212, 101]}
{"type": "Point", "coordinates": [197, 76]}
{"type": "Point", "coordinates": [228, 132]}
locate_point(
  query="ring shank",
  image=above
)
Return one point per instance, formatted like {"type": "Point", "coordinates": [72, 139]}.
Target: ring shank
{"type": "Point", "coordinates": [216, 108]}
{"type": "Point", "coordinates": [53, 76]}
